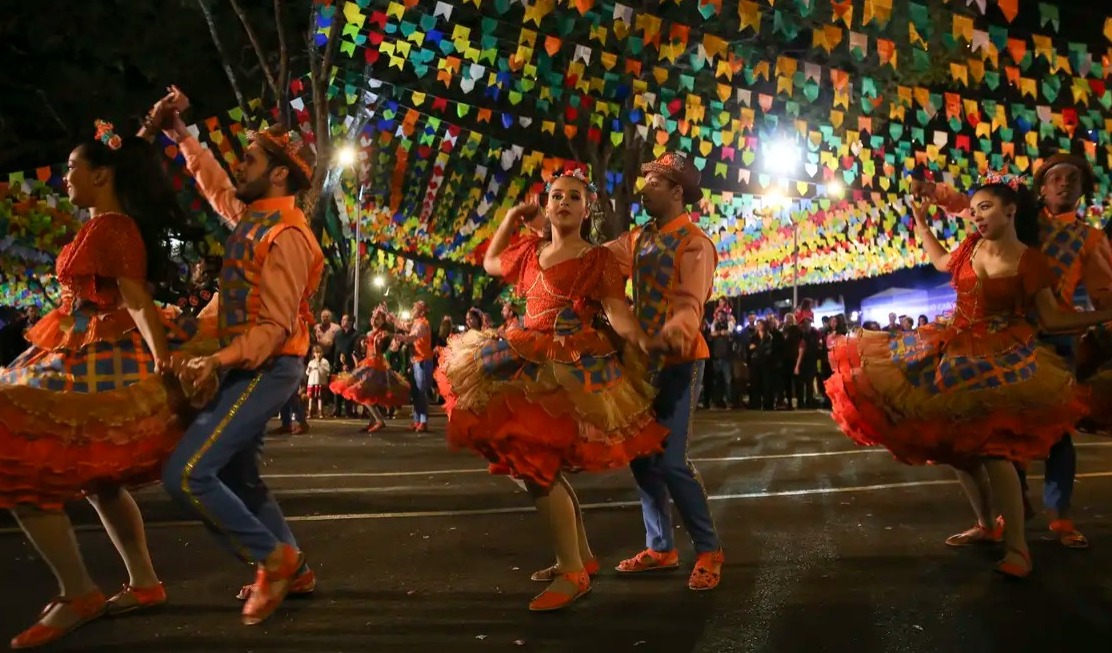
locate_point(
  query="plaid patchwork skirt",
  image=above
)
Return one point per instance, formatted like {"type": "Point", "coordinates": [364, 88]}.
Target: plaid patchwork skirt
{"type": "Point", "coordinates": [949, 394]}
{"type": "Point", "coordinates": [535, 404]}
{"type": "Point", "coordinates": [76, 420]}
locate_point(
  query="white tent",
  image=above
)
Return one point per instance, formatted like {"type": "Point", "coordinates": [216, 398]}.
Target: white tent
{"type": "Point", "coordinates": [901, 301]}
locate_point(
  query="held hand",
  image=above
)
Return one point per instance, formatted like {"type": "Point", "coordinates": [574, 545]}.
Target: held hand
{"type": "Point", "coordinates": [199, 370]}
{"type": "Point", "coordinates": [921, 211]}
{"type": "Point", "coordinates": [921, 188]}
{"type": "Point", "coordinates": [177, 100]}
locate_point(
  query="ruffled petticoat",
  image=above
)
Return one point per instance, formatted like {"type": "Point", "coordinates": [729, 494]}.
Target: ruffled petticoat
{"type": "Point", "coordinates": [372, 383]}
{"type": "Point", "coordinates": [83, 409]}
{"type": "Point", "coordinates": [535, 405]}
{"type": "Point", "coordinates": [951, 395]}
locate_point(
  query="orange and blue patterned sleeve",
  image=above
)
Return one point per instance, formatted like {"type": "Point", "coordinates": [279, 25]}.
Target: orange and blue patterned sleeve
{"type": "Point", "coordinates": [1097, 273]}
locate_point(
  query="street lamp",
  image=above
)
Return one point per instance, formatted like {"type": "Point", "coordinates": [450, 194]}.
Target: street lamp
{"type": "Point", "coordinates": [782, 156]}
{"type": "Point", "coordinates": [835, 189]}
{"type": "Point", "coordinates": [378, 281]}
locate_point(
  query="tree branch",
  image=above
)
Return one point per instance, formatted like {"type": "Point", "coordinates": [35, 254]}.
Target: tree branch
{"type": "Point", "coordinates": [256, 45]}
{"type": "Point", "coordinates": [225, 61]}
{"type": "Point", "coordinates": [50, 109]}
{"type": "Point", "coordinates": [283, 64]}
{"type": "Point", "coordinates": [320, 100]}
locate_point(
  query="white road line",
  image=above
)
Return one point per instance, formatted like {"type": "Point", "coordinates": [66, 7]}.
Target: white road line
{"type": "Point", "coordinates": [588, 506]}
{"type": "Point", "coordinates": [723, 459]}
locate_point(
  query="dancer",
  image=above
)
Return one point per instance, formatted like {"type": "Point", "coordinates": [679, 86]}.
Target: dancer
{"type": "Point", "coordinates": [373, 383]}
{"type": "Point", "coordinates": [272, 264]}
{"type": "Point", "coordinates": [672, 264]}
{"type": "Point", "coordinates": [975, 390]}
{"type": "Point", "coordinates": [420, 337]}
{"type": "Point", "coordinates": [552, 397]}
{"type": "Point", "coordinates": [85, 409]}
{"type": "Point", "coordinates": [1077, 253]}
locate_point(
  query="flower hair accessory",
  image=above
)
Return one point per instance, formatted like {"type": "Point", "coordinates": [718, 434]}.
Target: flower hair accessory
{"type": "Point", "coordinates": [575, 173]}
{"type": "Point", "coordinates": [999, 178]}
{"type": "Point", "coordinates": [106, 134]}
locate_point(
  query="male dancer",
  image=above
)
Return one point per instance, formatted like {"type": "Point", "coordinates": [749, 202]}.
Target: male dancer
{"type": "Point", "coordinates": [1077, 253]}
{"type": "Point", "coordinates": [420, 336]}
{"type": "Point", "coordinates": [272, 265]}
{"type": "Point", "coordinates": [672, 264]}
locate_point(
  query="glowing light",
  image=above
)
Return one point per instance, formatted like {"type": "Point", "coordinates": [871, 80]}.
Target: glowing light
{"type": "Point", "coordinates": [775, 198]}
{"type": "Point", "coordinates": [378, 282]}
{"type": "Point", "coordinates": [782, 156]}
{"type": "Point", "coordinates": [346, 155]}
{"type": "Point", "coordinates": [406, 315]}
{"type": "Point", "coordinates": [835, 189]}
{"type": "Point", "coordinates": [854, 316]}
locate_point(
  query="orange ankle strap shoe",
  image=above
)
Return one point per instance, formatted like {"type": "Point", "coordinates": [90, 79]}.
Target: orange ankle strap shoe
{"type": "Point", "coordinates": [87, 608]}
{"type": "Point", "coordinates": [551, 599]}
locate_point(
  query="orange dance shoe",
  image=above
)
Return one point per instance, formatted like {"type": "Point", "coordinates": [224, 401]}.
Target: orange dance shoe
{"type": "Point", "coordinates": [550, 599]}
{"type": "Point", "coordinates": [272, 585]}
{"type": "Point", "coordinates": [549, 574]}
{"type": "Point", "coordinates": [87, 608]}
{"type": "Point", "coordinates": [1013, 570]}
{"type": "Point", "coordinates": [303, 584]}
{"type": "Point", "coordinates": [130, 599]}
{"type": "Point", "coordinates": [707, 571]}
{"type": "Point", "coordinates": [649, 560]}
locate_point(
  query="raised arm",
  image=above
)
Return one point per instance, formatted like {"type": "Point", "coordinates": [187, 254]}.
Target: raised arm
{"type": "Point", "coordinates": [527, 212]}
{"type": "Point", "coordinates": [939, 257]}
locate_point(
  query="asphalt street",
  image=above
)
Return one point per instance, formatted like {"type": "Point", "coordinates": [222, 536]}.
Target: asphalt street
{"type": "Point", "coordinates": [829, 547]}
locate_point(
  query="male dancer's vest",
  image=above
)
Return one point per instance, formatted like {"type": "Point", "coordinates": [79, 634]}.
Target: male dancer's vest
{"type": "Point", "coordinates": [1067, 244]}
{"type": "Point", "coordinates": [244, 256]}
{"type": "Point", "coordinates": [655, 275]}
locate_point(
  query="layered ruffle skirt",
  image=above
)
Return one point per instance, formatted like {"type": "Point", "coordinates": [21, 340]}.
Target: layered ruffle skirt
{"type": "Point", "coordinates": [83, 408]}
{"type": "Point", "coordinates": [945, 394]}
{"type": "Point", "coordinates": [534, 405]}
{"type": "Point", "coordinates": [372, 383]}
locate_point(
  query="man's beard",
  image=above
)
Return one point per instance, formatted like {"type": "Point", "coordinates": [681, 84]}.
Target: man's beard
{"type": "Point", "coordinates": [249, 191]}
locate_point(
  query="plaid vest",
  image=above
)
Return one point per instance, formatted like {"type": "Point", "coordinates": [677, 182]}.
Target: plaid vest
{"type": "Point", "coordinates": [244, 256]}
{"type": "Point", "coordinates": [1065, 243]}
{"type": "Point", "coordinates": [655, 268]}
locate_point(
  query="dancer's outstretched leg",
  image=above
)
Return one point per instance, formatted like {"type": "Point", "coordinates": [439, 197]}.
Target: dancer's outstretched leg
{"type": "Point", "coordinates": [974, 481]}
{"type": "Point", "coordinates": [558, 512]}
{"type": "Point", "coordinates": [1009, 497]}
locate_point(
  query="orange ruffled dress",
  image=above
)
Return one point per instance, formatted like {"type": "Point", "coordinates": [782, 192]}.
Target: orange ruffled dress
{"type": "Point", "coordinates": [552, 395]}
{"type": "Point", "coordinates": [372, 382]}
{"type": "Point", "coordinates": [1099, 383]}
{"type": "Point", "coordinates": [82, 408]}
{"type": "Point", "coordinates": [975, 384]}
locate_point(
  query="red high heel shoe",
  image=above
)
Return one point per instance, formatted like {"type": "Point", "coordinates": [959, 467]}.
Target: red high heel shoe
{"type": "Point", "coordinates": [87, 608]}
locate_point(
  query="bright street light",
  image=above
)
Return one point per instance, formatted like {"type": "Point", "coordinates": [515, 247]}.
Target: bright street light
{"type": "Point", "coordinates": [346, 155]}
{"type": "Point", "coordinates": [774, 198]}
{"type": "Point", "coordinates": [835, 189]}
{"type": "Point", "coordinates": [406, 315]}
{"type": "Point", "coordinates": [782, 156]}
{"type": "Point", "coordinates": [378, 281]}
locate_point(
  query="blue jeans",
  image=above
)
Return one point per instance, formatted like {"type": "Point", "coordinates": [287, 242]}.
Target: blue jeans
{"type": "Point", "coordinates": [670, 473]}
{"type": "Point", "coordinates": [422, 377]}
{"type": "Point", "coordinates": [724, 380]}
{"type": "Point", "coordinates": [1061, 463]}
{"type": "Point", "coordinates": [292, 409]}
{"type": "Point", "coordinates": [214, 471]}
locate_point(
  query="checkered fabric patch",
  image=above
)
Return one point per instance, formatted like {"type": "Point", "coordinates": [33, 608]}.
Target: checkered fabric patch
{"type": "Point", "coordinates": [652, 276]}
{"type": "Point", "coordinates": [99, 367]}
{"type": "Point", "coordinates": [598, 373]}
{"type": "Point", "coordinates": [967, 373]}
{"type": "Point", "coordinates": [1062, 243]}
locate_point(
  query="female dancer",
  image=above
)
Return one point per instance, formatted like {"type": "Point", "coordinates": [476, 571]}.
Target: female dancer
{"type": "Point", "coordinates": [975, 390]}
{"type": "Point", "coordinates": [85, 408]}
{"type": "Point", "coordinates": [373, 383]}
{"type": "Point", "coordinates": [552, 397]}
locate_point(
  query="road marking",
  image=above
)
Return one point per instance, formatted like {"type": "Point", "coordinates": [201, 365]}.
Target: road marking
{"type": "Point", "coordinates": [722, 459]}
{"type": "Point", "coordinates": [586, 506]}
